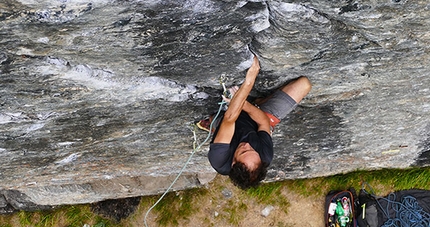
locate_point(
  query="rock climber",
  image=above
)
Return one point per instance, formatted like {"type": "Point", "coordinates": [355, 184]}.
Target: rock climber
{"type": "Point", "coordinates": [241, 145]}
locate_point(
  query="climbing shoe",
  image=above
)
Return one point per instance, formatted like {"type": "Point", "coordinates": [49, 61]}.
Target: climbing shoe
{"type": "Point", "coordinates": [205, 124]}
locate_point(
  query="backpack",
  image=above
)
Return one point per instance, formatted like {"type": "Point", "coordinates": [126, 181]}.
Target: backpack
{"type": "Point", "coordinates": [404, 208]}
{"type": "Point", "coordinates": [340, 208]}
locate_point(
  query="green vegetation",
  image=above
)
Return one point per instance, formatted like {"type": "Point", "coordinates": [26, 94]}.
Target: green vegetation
{"type": "Point", "coordinates": [81, 214]}
{"type": "Point", "coordinates": [65, 216]}
{"type": "Point", "coordinates": [380, 181]}
{"type": "Point", "coordinates": [177, 207]}
{"type": "Point", "coordinates": [234, 211]}
{"type": "Point", "coordinates": [270, 193]}
{"type": "Point", "coordinates": [266, 193]}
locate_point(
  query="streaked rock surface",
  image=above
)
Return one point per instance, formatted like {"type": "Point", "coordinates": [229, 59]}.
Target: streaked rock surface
{"type": "Point", "coordinates": [98, 98]}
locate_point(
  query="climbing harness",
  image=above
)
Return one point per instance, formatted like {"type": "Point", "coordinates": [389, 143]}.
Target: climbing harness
{"type": "Point", "coordinates": [222, 104]}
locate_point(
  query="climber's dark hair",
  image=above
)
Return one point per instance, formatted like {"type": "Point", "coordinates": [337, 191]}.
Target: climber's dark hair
{"type": "Point", "coordinates": [244, 178]}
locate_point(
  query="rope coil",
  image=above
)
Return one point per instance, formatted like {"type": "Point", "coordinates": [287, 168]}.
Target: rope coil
{"type": "Point", "coordinates": [408, 212]}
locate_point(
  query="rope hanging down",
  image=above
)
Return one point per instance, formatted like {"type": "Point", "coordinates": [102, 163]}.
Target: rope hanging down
{"type": "Point", "coordinates": [192, 153]}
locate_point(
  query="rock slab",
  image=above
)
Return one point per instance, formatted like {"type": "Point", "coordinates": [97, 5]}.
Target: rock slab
{"type": "Point", "coordinates": [98, 98]}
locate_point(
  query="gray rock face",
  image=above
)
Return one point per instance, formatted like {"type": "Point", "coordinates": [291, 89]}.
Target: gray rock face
{"type": "Point", "coordinates": [98, 98]}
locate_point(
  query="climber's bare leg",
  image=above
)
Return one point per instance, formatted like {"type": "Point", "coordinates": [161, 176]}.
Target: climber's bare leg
{"type": "Point", "coordinates": [296, 89]}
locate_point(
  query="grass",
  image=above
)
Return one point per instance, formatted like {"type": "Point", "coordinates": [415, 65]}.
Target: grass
{"type": "Point", "coordinates": [234, 211]}
{"type": "Point", "coordinates": [177, 207]}
{"type": "Point", "coordinates": [380, 181]}
{"type": "Point", "coordinates": [79, 215]}
{"type": "Point", "coordinates": [76, 215]}
{"type": "Point", "coordinates": [270, 194]}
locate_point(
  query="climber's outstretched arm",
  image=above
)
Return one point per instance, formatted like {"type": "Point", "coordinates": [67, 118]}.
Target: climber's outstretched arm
{"type": "Point", "coordinates": [227, 125]}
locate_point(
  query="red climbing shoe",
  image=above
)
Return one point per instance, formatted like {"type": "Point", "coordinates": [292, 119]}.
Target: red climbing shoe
{"type": "Point", "coordinates": [205, 124]}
